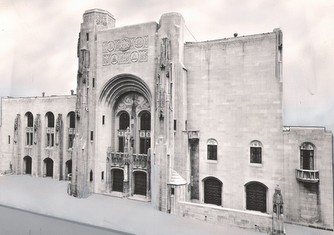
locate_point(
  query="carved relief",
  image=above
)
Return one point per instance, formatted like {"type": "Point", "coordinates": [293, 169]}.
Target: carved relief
{"type": "Point", "coordinates": [17, 124]}
{"type": "Point", "coordinates": [125, 51]}
{"type": "Point", "coordinates": [37, 125]}
{"type": "Point", "coordinates": [134, 103]}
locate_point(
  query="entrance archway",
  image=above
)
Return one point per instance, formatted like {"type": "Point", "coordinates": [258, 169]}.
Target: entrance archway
{"type": "Point", "coordinates": [68, 168]}
{"type": "Point", "coordinates": [27, 165]}
{"type": "Point", "coordinates": [48, 167]}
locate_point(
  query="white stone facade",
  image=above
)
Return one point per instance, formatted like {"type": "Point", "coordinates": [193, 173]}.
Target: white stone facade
{"type": "Point", "coordinates": [183, 125]}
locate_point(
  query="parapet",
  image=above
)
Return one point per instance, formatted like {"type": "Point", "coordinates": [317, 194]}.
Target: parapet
{"type": "Point", "coordinates": [102, 18]}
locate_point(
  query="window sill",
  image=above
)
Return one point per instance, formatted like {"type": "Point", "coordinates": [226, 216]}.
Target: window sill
{"type": "Point", "coordinates": [211, 161]}
{"type": "Point", "coordinates": [256, 165]}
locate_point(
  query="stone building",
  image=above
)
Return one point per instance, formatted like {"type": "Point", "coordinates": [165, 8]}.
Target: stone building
{"type": "Point", "coordinates": [194, 128]}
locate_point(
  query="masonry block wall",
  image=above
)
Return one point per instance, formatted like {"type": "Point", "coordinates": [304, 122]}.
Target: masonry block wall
{"type": "Point", "coordinates": [14, 145]}
{"type": "Point", "coordinates": [307, 202]}
{"type": "Point", "coordinates": [235, 97]}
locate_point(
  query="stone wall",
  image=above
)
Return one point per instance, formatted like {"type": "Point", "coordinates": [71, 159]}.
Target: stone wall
{"type": "Point", "coordinates": [218, 215]}
{"type": "Point", "coordinates": [309, 203]}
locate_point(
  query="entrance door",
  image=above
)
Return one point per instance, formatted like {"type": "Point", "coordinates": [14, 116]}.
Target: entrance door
{"type": "Point", "coordinates": [27, 165]}
{"type": "Point", "coordinates": [68, 169]}
{"type": "Point", "coordinates": [48, 167]}
{"type": "Point", "coordinates": [117, 180]}
{"type": "Point", "coordinates": [140, 182]}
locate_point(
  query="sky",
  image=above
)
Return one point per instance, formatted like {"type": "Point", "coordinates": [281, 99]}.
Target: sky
{"type": "Point", "coordinates": [38, 42]}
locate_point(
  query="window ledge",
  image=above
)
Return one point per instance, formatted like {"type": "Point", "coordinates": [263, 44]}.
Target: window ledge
{"type": "Point", "coordinates": [211, 161]}
{"type": "Point", "coordinates": [259, 165]}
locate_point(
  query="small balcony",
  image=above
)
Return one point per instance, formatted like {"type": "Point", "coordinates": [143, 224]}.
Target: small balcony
{"type": "Point", "coordinates": [137, 161]}
{"type": "Point", "coordinates": [307, 176]}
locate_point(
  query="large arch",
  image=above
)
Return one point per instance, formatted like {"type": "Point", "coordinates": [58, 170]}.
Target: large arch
{"type": "Point", "coordinates": [122, 84]}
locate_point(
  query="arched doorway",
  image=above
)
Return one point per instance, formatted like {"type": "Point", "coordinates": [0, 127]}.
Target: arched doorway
{"type": "Point", "coordinates": [213, 191]}
{"type": "Point", "coordinates": [68, 169]}
{"type": "Point", "coordinates": [140, 182]}
{"type": "Point", "coordinates": [256, 197]}
{"type": "Point", "coordinates": [117, 178]}
{"type": "Point", "coordinates": [48, 167]}
{"type": "Point", "coordinates": [27, 165]}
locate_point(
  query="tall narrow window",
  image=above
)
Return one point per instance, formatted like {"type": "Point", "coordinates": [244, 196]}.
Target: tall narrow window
{"type": "Point", "coordinates": [124, 121]}
{"type": "Point", "coordinates": [91, 175]}
{"type": "Point", "coordinates": [71, 129]}
{"type": "Point", "coordinates": [29, 128]}
{"type": "Point", "coordinates": [103, 119]}
{"type": "Point", "coordinates": [145, 132]}
{"type": "Point", "coordinates": [256, 152]}
{"type": "Point", "coordinates": [91, 135]}
{"type": "Point", "coordinates": [212, 149]}
{"type": "Point", "coordinates": [50, 120]}
{"type": "Point", "coordinates": [307, 156]}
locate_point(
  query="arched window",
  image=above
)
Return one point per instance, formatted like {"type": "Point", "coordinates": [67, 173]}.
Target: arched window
{"type": "Point", "coordinates": [256, 152]}
{"type": "Point", "coordinates": [50, 119]}
{"type": "Point", "coordinates": [256, 197]}
{"type": "Point", "coordinates": [72, 119]}
{"type": "Point", "coordinates": [124, 121]}
{"type": "Point", "coordinates": [145, 121]}
{"type": "Point", "coordinates": [30, 119]}
{"type": "Point", "coordinates": [29, 129]}
{"type": "Point", "coordinates": [145, 137]}
{"type": "Point", "coordinates": [213, 191]}
{"type": "Point", "coordinates": [48, 167]}
{"type": "Point", "coordinates": [307, 156]}
{"type": "Point", "coordinates": [71, 129]}
{"type": "Point", "coordinates": [212, 149]}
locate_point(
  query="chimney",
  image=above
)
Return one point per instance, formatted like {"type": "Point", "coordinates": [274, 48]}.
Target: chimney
{"type": "Point", "coordinates": [43, 94]}
{"type": "Point", "coordinates": [72, 92]}
{"type": "Point", "coordinates": [235, 35]}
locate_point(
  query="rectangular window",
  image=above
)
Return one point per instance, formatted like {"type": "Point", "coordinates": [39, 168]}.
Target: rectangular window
{"type": "Point", "coordinates": [91, 135]}
{"type": "Point", "coordinates": [255, 154]}
{"type": "Point", "coordinates": [145, 144]}
{"type": "Point", "coordinates": [103, 119]}
{"type": "Point", "coordinates": [70, 140]}
{"type": "Point", "coordinates": [212, 152]}
{"type": "Point", "coordinates": [9, 139]}
{"type": "Point", "coordinates": [121, 144]}
{"type": "Point", "coordinates": [102, 175]}
{"type": "Point", "coordinates": [174, 125]}
{"type": "Point", "coordinates": [93, 82]}
{"type": "Point", "coordinates": [49, 139]}
{"type": "Point", "coordinates": [87, 36]}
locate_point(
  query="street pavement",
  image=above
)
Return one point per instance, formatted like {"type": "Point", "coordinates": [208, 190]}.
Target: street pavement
{"type": "Point", "coordinates": [48, 197]}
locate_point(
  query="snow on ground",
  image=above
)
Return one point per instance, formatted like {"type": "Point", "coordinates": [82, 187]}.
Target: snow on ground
{"type": "Point", "coordinates": [49, 197]}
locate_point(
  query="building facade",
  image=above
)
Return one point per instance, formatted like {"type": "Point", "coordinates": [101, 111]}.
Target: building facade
{"type": "Point", "coordinates": [194, 128]}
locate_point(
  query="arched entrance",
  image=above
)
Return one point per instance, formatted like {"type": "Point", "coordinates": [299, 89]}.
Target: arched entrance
{"type": "Point", "coordinates": [213, 191]}
{"type": "Point", "coordinates": [68, 169]}
{"type": "Point", "coordinates": [48, 167]}
{"type": "Point", "coordinates": [117, 178]}
{"type": "Point", "coordinates": [27, 165]}
{"type": "Point", "coordinates": [140, 182]}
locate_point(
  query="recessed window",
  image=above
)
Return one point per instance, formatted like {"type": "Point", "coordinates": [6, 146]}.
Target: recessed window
{"type": "Point", "coordinates": [103, 119]}
{"type": "Point", "coordinates": [256, 152]}
{"type": "Point", "coordinates": [212, 149]}
{"type": "Point", "coordinates": [91, 175]}
{"type": "Point", "coordinates": [213, 191]}
{"type": "Point", "coordinates": [91, 135]}
{"type": "Point", "coordinates": [307, 156]}
{"type": "Point", "coordinates": [102, 175]}
{"type": "Point", "coordinates": [9, 139]}
{"type": "Point", "coordinates": [256, 197]}
{"type": "Point", "coordinates": [124, 121]}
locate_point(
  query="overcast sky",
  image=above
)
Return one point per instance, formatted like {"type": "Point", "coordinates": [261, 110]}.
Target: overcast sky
{"type": "Point", "coordinates": [38, 43]}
